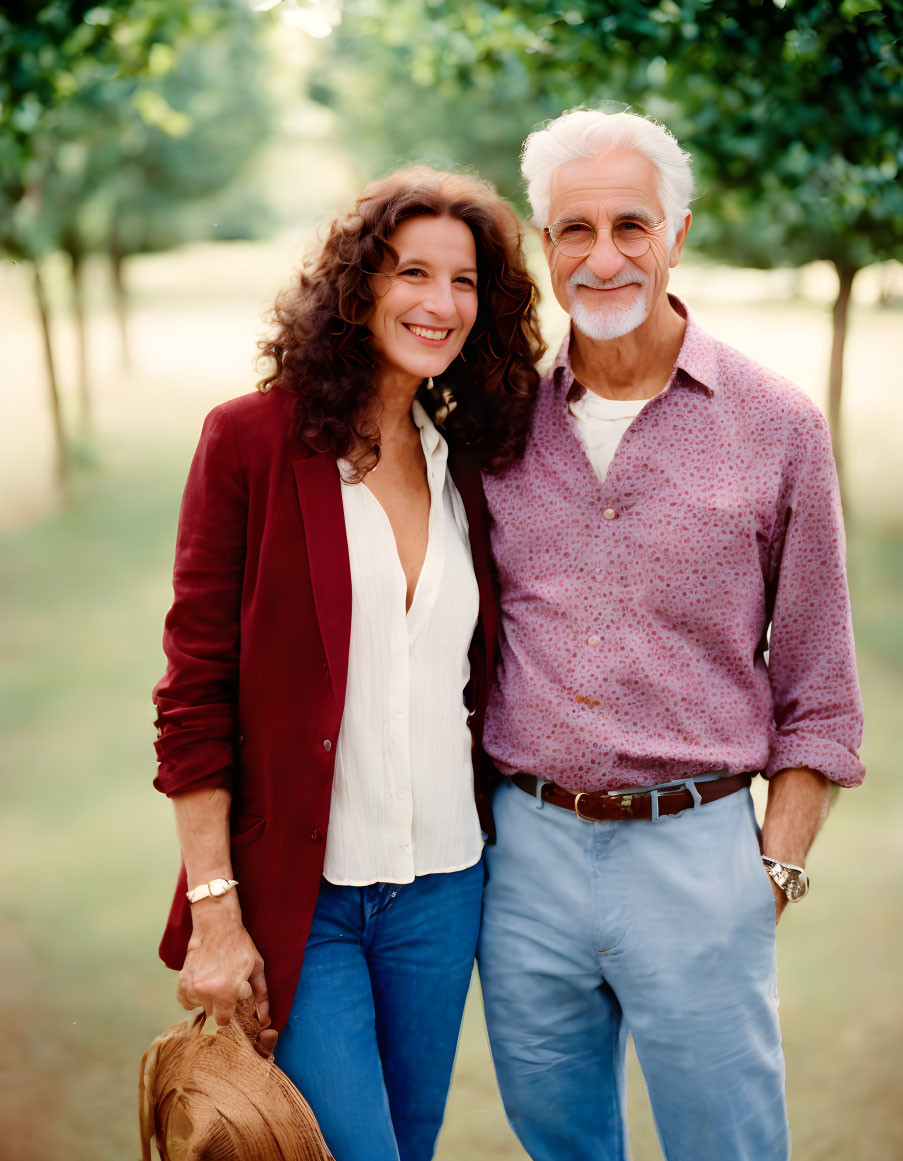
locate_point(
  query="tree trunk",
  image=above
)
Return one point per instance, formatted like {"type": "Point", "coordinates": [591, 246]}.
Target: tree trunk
{"type": "Point", "coordinates": [120, 294]}
{"type": "Point", "coordinates": [59, 433]}
{"type": "Point", "coordinates": [845, 276]}
{"type": "Point", "coordinates": [77, 270]}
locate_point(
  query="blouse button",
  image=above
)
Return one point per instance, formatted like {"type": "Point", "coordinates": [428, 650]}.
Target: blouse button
{"type": "Point", "coordinates": [609, 513]}
{"type": "Point", "coordinates": [327, 745]}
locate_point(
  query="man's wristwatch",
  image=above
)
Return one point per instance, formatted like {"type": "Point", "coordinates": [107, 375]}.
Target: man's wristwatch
{"type": "Point", "coordinates": [215, 888]}
{"type": "Point", "coordinates": [792, 880]}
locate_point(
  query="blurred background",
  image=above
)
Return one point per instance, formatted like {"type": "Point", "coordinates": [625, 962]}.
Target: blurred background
{"type": "Point", "coordinates": [163, 168]}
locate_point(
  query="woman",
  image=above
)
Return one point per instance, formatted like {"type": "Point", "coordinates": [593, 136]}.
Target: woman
{"type": "Point", "coordinates": [329, 645]}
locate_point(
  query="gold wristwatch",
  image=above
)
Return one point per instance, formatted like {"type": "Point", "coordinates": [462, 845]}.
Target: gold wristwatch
{"type": "Point", "coordinates": [792, 880]}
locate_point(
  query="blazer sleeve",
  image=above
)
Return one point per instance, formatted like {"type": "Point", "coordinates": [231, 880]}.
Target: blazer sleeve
{"type": "Point", "coordinates": [197, 696]}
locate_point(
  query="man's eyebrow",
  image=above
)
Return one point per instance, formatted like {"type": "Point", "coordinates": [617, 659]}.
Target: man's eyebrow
{"type": "Point", "coordinates": [641, 216]}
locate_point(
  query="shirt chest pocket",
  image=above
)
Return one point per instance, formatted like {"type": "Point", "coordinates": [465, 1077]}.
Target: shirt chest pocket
{"type": "Point", "coordinates": [695, 555]}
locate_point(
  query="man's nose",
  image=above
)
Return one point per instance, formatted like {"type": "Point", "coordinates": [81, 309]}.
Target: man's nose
{"type": "Point", "coordinates": [605, 259]}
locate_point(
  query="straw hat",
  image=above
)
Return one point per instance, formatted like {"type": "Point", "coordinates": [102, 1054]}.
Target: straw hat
{"type": "Point", "coordinates": [213, 1097]}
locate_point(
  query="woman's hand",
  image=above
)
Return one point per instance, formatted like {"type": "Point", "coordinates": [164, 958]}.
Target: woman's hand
{"type": "Point", "coordinates": [221, 958]}
{"type": "Point", "coordinates": [222, 964]}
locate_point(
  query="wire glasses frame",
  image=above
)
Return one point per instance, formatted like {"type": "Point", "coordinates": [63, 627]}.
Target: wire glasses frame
{"type": "Point", "coordinates": [576, 239]}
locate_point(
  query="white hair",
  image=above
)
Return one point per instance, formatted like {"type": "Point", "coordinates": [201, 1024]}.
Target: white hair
{"type": "Point", "coordinates": [589, 133]}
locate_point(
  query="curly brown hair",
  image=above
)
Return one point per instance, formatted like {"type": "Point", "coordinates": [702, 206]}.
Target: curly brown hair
{"type": "Point", "coordinates": [321, 348]}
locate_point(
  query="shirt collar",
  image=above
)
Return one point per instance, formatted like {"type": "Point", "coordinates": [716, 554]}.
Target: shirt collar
{"type": "Point", "coordinates": [434, 446]}
{"type": "Point", "coordinates": [696, 364]}
{"type": "Point", "coordinates": [435, 449]}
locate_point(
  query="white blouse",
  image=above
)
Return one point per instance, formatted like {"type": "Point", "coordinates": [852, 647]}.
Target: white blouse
{"type": "Point", "coordinates": [402, 798]}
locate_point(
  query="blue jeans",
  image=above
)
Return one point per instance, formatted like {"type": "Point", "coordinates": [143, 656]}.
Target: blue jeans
{"type": "Point", "coordinates": [372, 1033]}
{"type": "Point", "coordinates": [664, 930]}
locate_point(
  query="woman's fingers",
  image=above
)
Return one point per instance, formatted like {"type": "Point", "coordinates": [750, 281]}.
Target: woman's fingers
{"type": "Point", "coordinates": [258, 985]}
{"type": "Point", "coordinates": [223, 966]}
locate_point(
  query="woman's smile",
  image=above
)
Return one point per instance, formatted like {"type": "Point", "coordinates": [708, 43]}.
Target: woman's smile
{"type": "Point", "coordinates": [429, 334]}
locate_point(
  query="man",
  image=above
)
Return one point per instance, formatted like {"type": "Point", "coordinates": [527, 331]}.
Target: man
{"type": "Point", "coordinates": [675, 620]}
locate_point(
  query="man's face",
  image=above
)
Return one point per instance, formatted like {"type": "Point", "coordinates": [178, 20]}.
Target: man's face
{"type": "Point", "coordinates": [607, 294]}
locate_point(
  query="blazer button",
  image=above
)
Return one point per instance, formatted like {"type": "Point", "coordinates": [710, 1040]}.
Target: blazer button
{"type": "Point", "coordinates": [316, 835]}
{"type": "Point", "coordinates": [327, 745]}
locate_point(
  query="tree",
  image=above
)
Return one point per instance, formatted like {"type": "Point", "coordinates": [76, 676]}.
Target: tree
{"type": "Point", "coordinates": [115, 115]}
{"type": "Point", "coordinates": [50, 55]}
{"type": "Point", "coordinates": [791, 108]}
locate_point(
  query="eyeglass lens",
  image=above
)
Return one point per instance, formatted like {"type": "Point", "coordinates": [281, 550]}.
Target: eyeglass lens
{"type": "Point", "coordinates": [576, 239]}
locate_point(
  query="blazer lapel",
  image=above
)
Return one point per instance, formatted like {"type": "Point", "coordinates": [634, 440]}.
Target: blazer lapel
{"type": "Point", "coordinates": [320, 497]}
{"type": "Point", "coordinates": [466, 474]}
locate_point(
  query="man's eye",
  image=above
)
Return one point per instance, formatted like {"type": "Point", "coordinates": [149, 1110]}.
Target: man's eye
{"type": "Point", "coordinates": [575, 228]}
{"type": "Point", "coordinates": [631, 227]}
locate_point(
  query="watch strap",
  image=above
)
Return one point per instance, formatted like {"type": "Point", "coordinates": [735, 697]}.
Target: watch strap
{"type": "Point", "coordinates": [213, 889]}
{"type": "Point", "coordinates": [791, 879]}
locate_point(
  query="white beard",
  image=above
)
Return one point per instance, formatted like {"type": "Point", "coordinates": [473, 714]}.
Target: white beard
{"type": "Point", "coordinates": [608, 321]}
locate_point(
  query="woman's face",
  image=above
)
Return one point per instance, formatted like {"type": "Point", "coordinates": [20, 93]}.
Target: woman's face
{"type": "Point", "coordinates": [427, 304]}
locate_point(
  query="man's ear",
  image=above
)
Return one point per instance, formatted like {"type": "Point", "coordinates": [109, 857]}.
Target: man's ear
{"type": "Point", "coordinates": [547, 247]}
{"type": "Point", "coordinates": [680, 238]}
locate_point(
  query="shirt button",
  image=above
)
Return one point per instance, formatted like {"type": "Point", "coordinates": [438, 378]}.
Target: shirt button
{"type": "Point", "coordinates": [609, 513]}
{"type": "Point", "coordinates": [327, 745]}
{"type": "Point", "coordinates": [594, 640]}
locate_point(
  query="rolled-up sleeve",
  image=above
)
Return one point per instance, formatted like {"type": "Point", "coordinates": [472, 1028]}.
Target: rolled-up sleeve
{"type": "Point", "coordinates": [196, 698]}
{"type": "Point", "coordinates": [812, 663]}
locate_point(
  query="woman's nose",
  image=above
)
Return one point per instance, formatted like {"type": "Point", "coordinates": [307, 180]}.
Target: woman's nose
{"type": "Point", "coordinates": [440, 300]}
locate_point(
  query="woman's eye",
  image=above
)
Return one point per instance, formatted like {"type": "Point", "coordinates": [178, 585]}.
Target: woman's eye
{"type": "Point", "coordinates": [411, 272]}
{"type": "Point", "coordinates": [467, 283]}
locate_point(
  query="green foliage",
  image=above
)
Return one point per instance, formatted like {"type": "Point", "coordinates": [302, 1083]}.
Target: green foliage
{"type": "Point", "coordinates": [791, 108]}
{"type": "Point", "coordinates": [119, 114]}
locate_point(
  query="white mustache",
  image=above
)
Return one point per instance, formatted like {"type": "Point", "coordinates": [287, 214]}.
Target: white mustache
{"type": "Point", "coordinates": [626, 277]}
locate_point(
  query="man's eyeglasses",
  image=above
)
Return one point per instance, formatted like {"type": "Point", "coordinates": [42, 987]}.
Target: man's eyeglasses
{"type": "Point", "coordinates": [575, 239]}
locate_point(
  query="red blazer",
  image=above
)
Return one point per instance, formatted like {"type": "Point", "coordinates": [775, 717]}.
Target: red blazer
{"type": "Point", "coordinates": [257, 648]}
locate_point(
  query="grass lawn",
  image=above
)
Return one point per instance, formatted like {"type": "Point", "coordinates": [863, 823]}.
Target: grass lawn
{"type": "Point", "coordinates": [87, 849]}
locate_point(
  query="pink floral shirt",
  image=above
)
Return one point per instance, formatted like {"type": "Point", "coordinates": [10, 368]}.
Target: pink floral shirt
{"type": "Point", "coordinates": [690, 614]}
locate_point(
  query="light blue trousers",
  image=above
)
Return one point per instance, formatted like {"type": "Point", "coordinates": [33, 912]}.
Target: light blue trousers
{"type": "Point", "coordinates": [664, 930]}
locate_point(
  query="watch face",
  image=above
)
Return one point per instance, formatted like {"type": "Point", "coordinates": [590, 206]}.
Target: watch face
{"type": "Point", "coordinates": [796, 887]}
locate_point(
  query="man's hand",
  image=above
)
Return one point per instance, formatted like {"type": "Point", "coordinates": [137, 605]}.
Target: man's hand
{"type": "Point", "coordinates": [798, 804]}
{"type": "Point", "coordinates": [221, 958]}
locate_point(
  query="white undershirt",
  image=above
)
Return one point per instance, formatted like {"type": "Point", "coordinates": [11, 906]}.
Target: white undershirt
{"type": "Point", "coordinates": [600, 423]}
{"type": "Point", "coordinates": [402, 799]}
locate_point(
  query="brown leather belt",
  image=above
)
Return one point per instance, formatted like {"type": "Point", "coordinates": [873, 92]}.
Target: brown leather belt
{"type": "Point", "coordinates": [601, 806]}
